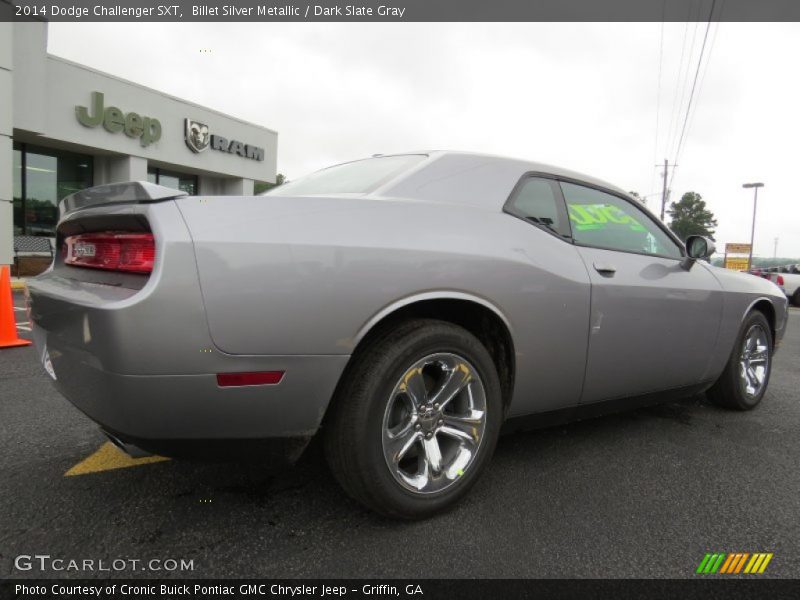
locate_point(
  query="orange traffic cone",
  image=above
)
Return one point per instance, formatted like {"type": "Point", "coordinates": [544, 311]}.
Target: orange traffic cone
{"type": "Point", "coordinates": [8, 325]}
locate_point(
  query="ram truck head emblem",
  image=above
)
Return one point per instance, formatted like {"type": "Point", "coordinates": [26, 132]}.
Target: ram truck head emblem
{"type": "Point", "coordinates": [197, 135]}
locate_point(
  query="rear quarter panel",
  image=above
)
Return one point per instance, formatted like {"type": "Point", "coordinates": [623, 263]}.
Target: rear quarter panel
{"type": "Point", "coordinates": [309, 275]}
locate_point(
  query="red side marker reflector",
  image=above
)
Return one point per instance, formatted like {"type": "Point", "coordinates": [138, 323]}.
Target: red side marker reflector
{"type": "Point", "coordinates": [254, 378]}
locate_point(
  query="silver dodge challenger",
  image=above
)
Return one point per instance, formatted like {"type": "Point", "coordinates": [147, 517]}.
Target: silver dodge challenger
{"type": "Point", "coordinates": [406, 308]}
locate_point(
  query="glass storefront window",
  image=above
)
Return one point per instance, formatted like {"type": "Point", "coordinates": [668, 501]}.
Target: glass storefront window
{"type": "Point", "coordinates": [17, 184]}
{"type": "Point", "coordinates": [45, 177]}
{"type": "Point", "coordinates": [176, 181]}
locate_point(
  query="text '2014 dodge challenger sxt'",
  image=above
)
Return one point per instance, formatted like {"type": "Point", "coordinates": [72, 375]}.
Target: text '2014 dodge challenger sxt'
{"type": "Point", "coordinates": [405, 307]}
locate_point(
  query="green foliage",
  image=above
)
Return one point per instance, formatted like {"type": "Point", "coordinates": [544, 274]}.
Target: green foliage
{"type": "Point", "coordinates": [763, 263]}
{"type": "Point", "coordinates": [262, 186]}
{"type": "Point", "coordinates": [691, 217]}
{"type": "Point", "coordinates": [637, 197]}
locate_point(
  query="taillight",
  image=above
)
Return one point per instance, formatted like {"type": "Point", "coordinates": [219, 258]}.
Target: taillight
{"type": "Point", "coordinates": [779, 279]}
{"type": "Point", "coordinates": [113, 251]}
{"type": "Point", "coordinates": [249, 378]}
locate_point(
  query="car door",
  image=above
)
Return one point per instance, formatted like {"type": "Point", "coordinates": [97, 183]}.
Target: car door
{"type": "Point", "coordinates": [653, 323]}
{"type": "Point", "coordinates": [553, 320]}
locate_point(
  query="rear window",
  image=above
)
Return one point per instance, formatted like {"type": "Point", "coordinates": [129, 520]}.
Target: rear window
{"type": "Point", "coordinates": [358, 177]}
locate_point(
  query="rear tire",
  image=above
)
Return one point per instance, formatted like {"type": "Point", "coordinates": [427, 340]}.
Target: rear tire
{"type": "Point", "coordinates": [415, 419]}
{"type": "Point", "coordinates": [796, 297]}
{"type": "Point", "coordinates": [744, 381]}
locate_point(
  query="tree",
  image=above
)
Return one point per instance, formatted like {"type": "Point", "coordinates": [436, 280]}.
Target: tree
{"type": "Point", "coordinates": [638, 197]}
{"type": "Point", "coordinates": [261, 187]}
{"type": "Point", "coordinates": [691, 217]}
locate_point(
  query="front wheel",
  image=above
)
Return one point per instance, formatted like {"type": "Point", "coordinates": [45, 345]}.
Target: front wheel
{"type": "Point", "coordinates": [744, 381]}
{"type": "Point", "coordinates": [415, 419]}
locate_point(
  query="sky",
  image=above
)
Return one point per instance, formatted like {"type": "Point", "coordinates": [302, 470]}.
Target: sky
{"type": "Point", "coordinates": [605, 99]}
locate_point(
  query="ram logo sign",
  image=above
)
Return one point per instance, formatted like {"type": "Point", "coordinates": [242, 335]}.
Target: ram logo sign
{"type": "Point", "coordinates": [198, 138]}
{"type": "Point", "coordinates": [197, 135]}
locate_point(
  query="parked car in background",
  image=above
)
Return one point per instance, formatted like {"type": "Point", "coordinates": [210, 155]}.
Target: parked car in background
{"type": "Point", "coordinates": [789, 281]}
{"type": "Point", "coordinates": [404, 307]}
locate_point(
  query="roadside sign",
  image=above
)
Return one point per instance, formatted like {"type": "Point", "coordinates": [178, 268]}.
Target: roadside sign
{"type": "Point", "coordinates": [736, 263]}
{"type": "Point", "coordinates": [737, 248]}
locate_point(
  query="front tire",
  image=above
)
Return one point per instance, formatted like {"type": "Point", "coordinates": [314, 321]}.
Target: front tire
{"type": "Point", "coordinates": [744, 381]}
{"type": "Point", "coordinates": [415, 419]}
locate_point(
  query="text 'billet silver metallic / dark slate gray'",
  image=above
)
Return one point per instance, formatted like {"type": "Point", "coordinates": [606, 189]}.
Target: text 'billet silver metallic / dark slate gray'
{"type": "Point", "coordinates": [401, 10]}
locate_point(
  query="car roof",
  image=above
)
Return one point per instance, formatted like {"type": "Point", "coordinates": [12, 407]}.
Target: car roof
{"type": "Point", "coordinates": [538, 167]}
{"type": "Point", "coordinates": [476, 179]}
{"type": "Point", "coordinates": [525, 165]}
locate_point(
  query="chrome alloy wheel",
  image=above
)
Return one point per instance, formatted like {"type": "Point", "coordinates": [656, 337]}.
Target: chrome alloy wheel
{"type": "Point", "coordinates": [434, 423]}
{"type": "Point", "coordinates": [754, 361]}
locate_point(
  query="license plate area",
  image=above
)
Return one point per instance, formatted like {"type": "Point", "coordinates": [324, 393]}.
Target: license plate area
{"type": "Point", "coordinates": [84, 250]}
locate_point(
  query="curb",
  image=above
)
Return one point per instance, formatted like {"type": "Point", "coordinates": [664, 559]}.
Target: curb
{"type": "Point", "coordinates": [18, 285]}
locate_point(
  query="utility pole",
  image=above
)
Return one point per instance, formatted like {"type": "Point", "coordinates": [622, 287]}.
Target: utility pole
{"type": "Point", "coordinates": [755, 187]}
{"type": "Point", "coordinates": [775, 249]}
{"type": "Point", "coordinates": [664, 192]}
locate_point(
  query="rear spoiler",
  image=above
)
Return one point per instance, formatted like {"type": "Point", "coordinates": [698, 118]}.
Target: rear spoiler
{"type": "Point", "coordinates": [118, 193]}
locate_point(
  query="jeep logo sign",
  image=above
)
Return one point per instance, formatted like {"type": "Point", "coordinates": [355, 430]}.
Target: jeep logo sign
{"type": "Point", "coordinates": [198, 138]}
{"type": "Point", "coordinates": [147, 129]}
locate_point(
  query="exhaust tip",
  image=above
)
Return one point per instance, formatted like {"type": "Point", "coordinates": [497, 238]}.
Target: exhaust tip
{"type": "Point", "coordinates": [129, 449]}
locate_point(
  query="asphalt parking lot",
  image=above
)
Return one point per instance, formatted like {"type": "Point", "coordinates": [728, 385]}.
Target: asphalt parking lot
{"type": "Point", "coordinates": [640, 494]}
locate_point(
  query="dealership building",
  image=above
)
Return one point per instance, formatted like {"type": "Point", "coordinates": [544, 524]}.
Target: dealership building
{"type": "Point", "coordinates": [65, 127]}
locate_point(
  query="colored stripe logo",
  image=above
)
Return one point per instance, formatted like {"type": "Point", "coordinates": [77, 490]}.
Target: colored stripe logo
{"type": "Point", "coordinates": [734, 563]}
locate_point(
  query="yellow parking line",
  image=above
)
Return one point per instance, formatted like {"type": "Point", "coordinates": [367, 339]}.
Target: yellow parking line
{"type": "Point", "coordinates": [109, 457]}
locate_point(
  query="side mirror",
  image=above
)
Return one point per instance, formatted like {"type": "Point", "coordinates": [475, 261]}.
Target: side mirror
{"type": "Point", "coordinates": [697, 248]}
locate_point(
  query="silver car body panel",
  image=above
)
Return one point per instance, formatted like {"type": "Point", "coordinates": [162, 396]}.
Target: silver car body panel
{"type": "Point", "coordinates": [296, 283]}
{"type": "Point", "coordinates": [308, 285]}
{"type": "Point", "coordinates": [654, 325]}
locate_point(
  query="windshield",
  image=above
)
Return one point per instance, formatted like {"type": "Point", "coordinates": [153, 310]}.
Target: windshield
{"type": "Point", "coordinates": [358, 177]}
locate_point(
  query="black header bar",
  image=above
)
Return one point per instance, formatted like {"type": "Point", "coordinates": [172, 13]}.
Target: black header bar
{"type": "Point", "coordinates": [400, 10]}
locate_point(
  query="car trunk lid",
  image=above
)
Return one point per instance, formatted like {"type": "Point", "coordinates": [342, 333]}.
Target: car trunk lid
{"type": "Point", "coordinates": [118, 193]}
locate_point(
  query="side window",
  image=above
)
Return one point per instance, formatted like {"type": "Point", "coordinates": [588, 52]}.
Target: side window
{"type": "Point", "coordinates": [539, 201]}
{"type": "Point", "coordinates": [607, 221]}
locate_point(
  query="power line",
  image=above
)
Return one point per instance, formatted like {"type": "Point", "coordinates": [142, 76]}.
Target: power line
{"type": "Point", "coordinates": [684, 89]}
{"type": "Point", "coordinates": [658, 93]}
{"type": "Point", "coordinates": [720, 8]}
{"type": "Point", "coordinates": [675, 108]}
{"type": "Point", "coordinates": [682, 81]}
{"type": "Point", "coordinates": [694, 85]}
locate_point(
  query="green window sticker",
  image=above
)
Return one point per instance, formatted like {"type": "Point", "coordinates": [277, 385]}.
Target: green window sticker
{"type": "Point", "coordinates": [585, 217]}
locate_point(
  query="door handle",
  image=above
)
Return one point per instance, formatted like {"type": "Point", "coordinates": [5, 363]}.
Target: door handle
{"type": "Point", "coordinates": [605, 269]}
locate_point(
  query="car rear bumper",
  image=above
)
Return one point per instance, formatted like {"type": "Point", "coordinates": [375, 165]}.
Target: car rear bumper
{"type": "Point", "coordinates": [163, 407]}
